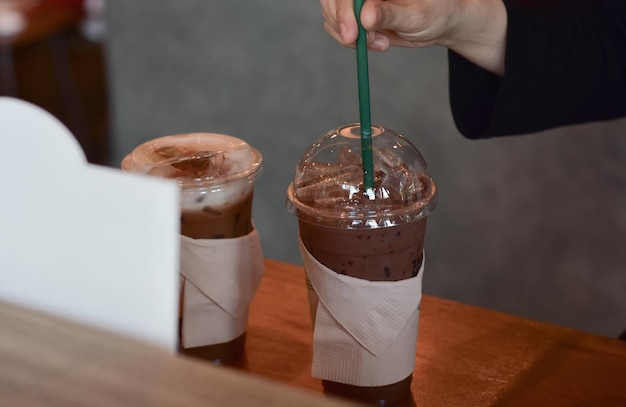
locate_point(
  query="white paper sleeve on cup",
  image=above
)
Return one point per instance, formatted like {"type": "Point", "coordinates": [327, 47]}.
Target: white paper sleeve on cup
{"type": "Point", "coordinates": [220, 277]}
{"type": "Point", "coordinates": [365, 332]}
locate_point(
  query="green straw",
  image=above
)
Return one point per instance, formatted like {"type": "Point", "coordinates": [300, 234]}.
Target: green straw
{"type": "Point", "coordinates": [364, 102]}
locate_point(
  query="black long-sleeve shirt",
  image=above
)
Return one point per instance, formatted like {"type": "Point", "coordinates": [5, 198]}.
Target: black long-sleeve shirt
{"type": "Point", "coordinates": [565, 63]}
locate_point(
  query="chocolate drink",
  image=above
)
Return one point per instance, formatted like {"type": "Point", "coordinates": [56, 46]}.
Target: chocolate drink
{"type": "Point", "coordinates": [218, 223]}
{"type": "Point", "coordinates": [383, 254]}
{"type": "Point", "coordinates": [216, 201]}
{"type": "Point", "coordinates": [207, 215]}
{"type": "Point", "coordinates": [204, 217]}
{"type": "Point", "coordinates": [375, 237]}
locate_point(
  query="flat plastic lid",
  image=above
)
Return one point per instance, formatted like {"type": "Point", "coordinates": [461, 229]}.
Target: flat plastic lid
{"type": "Point", "coordinates": [328, 181]}
{"type": "Point", "coordinates": [196, 159]}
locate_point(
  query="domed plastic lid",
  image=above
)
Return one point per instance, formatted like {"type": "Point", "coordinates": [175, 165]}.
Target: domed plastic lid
{"type": "Point", "coordinates": [328, 182]}
{"type": "Point", "coordinates": [196, 159]}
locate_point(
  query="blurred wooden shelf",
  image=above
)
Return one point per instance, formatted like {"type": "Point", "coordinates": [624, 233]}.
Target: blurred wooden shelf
{"type": "Point", "coordinates": [42, 20]}
{"type": "Point", "coordinates": [49, 63]}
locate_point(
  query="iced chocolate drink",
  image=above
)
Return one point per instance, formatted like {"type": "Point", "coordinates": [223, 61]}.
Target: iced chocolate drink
{"type": "Point", "coordinates": [376, 235]}
{"type": "Point", "coordinates": [207, 215]}
{"type": "Point", "coordinates": [381, 254]}
{"type": "Point", "coordinates": [216, 174]}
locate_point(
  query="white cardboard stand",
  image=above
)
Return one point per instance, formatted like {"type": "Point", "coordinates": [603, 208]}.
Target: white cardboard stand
{"type": "Point", "coordinates": [85, 242]}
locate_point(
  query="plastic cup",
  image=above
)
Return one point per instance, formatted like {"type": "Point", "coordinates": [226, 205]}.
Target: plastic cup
{"type": "Point", "coordinates": [216, 174]}
{"type": "Point", "coordinates": [375, 238]}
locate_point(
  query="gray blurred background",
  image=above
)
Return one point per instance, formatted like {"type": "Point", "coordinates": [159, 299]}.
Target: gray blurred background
{"type": "Point", "coordinates": [532, 225]}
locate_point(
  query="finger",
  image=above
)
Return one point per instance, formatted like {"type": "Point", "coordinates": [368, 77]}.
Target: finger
{"type": "Point", "coordinates": [370, 15]}
{"type": "Point", "coordinates": [339, 21]}
{"type": "Point", "coordinates": [406, 41]}
{"type": "Point", "coordinates": [332, 32]}
{"type": "Point", "coordinates": [346, 21]}
{"type": "Point", "coordinates": [388, 16]}
{"type": "Point", "coordinates": [378, 41]}
{"type": "Point", "coordinates": [329, 9]}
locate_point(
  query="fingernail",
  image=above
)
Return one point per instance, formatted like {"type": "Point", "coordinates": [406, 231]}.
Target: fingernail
{"type": "Point", "coordinates": [378, 44]}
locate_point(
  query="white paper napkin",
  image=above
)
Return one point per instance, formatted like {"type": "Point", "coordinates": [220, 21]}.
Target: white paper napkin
{"type": "Point", "coordinates": [220, 277]}
{"type": "Point", "coordinates": [365, 332]}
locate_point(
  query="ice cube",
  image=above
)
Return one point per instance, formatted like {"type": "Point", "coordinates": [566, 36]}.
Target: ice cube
{"type": "Point", "coordinates": [394, 179]}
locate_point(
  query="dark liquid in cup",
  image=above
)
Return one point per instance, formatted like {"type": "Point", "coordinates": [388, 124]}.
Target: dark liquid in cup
{"type": "Point", "coordinates": [382, 254]}
{"type": "Point", "coordinates": [390, 253]}
{"type": "Point", "coordinates": [211, 222]}
{"type": "Point", "coordinates": [218, 223]}
{"type": "Point", "coordinates": [334, 208]}
{"type": "Point", "coordinates": [211, 169]}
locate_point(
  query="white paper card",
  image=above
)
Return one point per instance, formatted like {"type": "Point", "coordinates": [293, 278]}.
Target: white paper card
{"type": "Point", "coordinates": [365, 332]}
{"type": "Point", "coordinates": [85, 242]}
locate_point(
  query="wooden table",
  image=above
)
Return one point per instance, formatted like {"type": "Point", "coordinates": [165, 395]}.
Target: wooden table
{"type": "Point", "coordinates": [466, 356]}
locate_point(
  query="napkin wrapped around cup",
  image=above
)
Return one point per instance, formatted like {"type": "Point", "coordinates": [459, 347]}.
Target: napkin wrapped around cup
{"type": "Point", "coordinates": [220, 278]}
{"type": "Point", "coordinates": [365, 332]}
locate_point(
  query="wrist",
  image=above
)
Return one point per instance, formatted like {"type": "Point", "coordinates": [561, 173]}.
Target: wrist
{"type": "Point", "coordinates": [478, 33]}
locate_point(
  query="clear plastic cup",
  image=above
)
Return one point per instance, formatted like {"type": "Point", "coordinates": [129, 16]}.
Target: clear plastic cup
{"type": "Point", "coordinates": [376, 238]}
{"type": "Point", "coordinates": [216, 173]}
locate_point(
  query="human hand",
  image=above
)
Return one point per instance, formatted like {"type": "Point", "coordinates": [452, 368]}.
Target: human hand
{"type": "Point", "coordinates": [402, 23]}
{"type": "Point", "coordinates": [475, 29]}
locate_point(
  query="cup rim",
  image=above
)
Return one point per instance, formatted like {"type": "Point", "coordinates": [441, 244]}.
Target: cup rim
{"type": "Point", "coordinates": [132, 162]}
{"type": "Point", "coordinates": [364, 219]}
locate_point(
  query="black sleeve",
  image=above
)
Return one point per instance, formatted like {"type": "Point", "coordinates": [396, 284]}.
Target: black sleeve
{"type": "Point", "coordinates": [565, 63]}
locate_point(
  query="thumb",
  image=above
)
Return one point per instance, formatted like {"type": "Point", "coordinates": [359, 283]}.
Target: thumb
{"type": "Point", "coordinates": [385, 16]}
